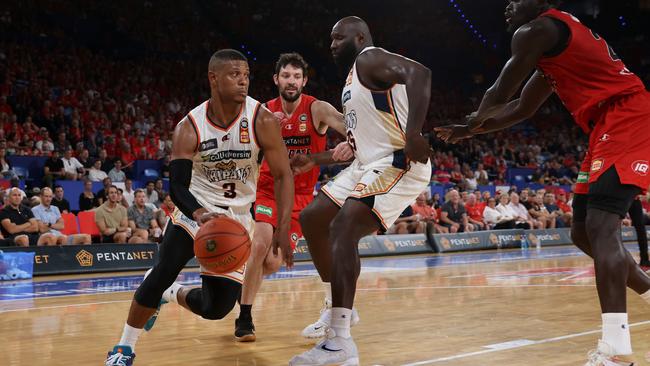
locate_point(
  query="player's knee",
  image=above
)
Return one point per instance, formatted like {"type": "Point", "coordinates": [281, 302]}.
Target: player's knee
{"type": "Point", "coordinates": [258, 251]}
{"type": "Point", "coordinates": [216, 311]}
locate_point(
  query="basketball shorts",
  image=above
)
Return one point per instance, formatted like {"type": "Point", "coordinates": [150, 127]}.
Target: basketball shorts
{"type": "Point", "coordinates": [266, 211]}
{"type": "Point", "coordinates": [387, 185]}
{"type": "Point", "coordinates": [241, 215]}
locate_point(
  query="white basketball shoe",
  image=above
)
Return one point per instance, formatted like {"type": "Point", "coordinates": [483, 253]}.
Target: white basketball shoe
{"type": "Point", "coordinates": [603, 356]}
{"type": "Point", "coordinates": [332, 350]}
{"type": "Point", "coordinates": [317, 330]}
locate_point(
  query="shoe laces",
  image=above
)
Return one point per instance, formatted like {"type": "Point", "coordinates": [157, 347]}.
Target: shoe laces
{"type": "Point", "coordinates": [118, 359]}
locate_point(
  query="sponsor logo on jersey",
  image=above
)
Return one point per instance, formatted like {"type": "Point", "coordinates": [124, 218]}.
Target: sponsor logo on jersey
{"type": "Point", "coordinates": [288, 126]}
{"type": "Point", "coordinates": [208, 145]}
{"type": "Point", "coordinates": [597, 165]}
{"type": "Point", "coordinates": [244, 137]}
{"type": "Point", "coordinates": [351, 120]}
{"type": "Point", "coordinates": [225, 137]}
{"type": "Point", "coordinates": [300, 141]}
{"type": "Point", "coordinates": [346, 96]}
{"type": "Point", "coordinates": [640, 167]}
{"type": "Point", "coordinates": [302, 127]}
{"type": "Point", "coordinates": [264, 210]}
{"type": "Point", "coordinates": [583, 177]}
{"type": "Point", "coordinates": [226, 155]}
{"type": "Point", "coordinates": [226, 171]}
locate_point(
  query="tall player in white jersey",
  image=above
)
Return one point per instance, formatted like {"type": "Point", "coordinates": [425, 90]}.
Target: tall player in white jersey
{"type": "Point", "coordinates": [214, 170]}
{"type": "Point", "coordinates": [385, 101]}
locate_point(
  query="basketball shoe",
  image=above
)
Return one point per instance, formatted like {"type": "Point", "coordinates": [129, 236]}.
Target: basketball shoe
{"type": "Point", "coordinates": [317, 330]}
{"type": "Point", "coordinates": [244, 330]}
{"type": "Point", "coordinates": [168, 296]}
{"type": "Point", "coordinates": [332, 350]}
{"type": "Point", "coordinates": [120, 356]}
{"type": "Point", "coordinates": [603, 356]}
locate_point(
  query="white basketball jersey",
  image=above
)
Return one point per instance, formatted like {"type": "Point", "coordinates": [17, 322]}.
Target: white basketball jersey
{"type": "Point", "coordinates": [226, 163]}
{"type": "Point", "coordinates": [375, 119]}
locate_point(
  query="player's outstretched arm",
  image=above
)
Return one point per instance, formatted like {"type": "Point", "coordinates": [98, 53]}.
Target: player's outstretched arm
{"type": "Point", "coordinates": [184, 145]}
{"type": "Point", "coordinates": [267, 132]}
{"type": "Point", "coordinates": [380, 69]}
{"type": "Point", "coordinates": [536, 91]}
{"type": "Point", "coordinates": [528, 45]}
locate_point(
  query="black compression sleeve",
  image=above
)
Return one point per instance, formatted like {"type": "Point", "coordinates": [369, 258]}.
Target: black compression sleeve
{"type": "Point", "coordinates": [180, 175]}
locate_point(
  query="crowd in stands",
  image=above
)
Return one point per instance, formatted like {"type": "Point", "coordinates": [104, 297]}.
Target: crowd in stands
{"type": "Point", "coordinates": [468, 211]}
{"type": "Point", "coordinates": [95, 88]}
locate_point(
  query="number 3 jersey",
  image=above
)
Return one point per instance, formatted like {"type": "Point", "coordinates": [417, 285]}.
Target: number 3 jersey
{"type": "Point", "coordinates": [226, 162]}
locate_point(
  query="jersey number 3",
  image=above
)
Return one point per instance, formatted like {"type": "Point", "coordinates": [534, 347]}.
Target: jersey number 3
{"type": "Point", "coordinates": [229, 190]}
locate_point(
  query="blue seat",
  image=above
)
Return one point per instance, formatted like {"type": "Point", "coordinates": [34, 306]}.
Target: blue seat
{"type": "Point", "coordinates": [21, 172]}
{"type": "Point", "coordinates": [151, 173]}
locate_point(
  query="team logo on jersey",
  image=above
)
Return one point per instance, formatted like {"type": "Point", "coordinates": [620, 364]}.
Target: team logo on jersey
{"type": "Point", "coordinates": [244, 137]}
{"type": "Point", "coordinates": [226, 171]}
{"type": "Point", "coordinates": [640, 167]}
{"type": "Point", "coordinates": [302, 127]}
{"type": "Point", "coordinates": [596, 165]}
{"type": "Point", "coordinates": [208, 145]}
{"type": "Point", "coordinates": [303, 117]}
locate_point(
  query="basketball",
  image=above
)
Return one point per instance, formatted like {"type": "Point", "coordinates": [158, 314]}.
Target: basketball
{"type": "Point", "coordinates": [222, 245]}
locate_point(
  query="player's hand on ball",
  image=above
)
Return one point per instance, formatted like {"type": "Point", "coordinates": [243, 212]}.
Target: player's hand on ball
{"type": "Point", "coordinates": [202, 215]}
{"type": "Point", "coordinates": [453, 133]}
{"type": "Point", "coordinates": [301, 163]}
{"type": "Point", "coordinates": [417, 149]}
{"type": "Point", "coordinates": [281, 241]}
{"type": "Point", "coordinates": [343, 152]}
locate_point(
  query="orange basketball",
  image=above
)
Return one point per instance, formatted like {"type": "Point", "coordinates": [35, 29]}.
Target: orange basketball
{"type": "Point", "coordinates": [222, 245]}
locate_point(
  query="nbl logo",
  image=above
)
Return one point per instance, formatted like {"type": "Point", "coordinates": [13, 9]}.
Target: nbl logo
{"type": "Point", "coordinates": [641, 167]}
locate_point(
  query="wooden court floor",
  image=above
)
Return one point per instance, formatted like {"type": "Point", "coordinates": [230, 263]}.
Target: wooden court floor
{"type": "Point", "coordinates": [538, 311]}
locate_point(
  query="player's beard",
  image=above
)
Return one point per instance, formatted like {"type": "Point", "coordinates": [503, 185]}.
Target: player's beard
{"type": "Point", "coordinates": [291, 98]}
{"type": "Point", "coordinates": [346, 56]}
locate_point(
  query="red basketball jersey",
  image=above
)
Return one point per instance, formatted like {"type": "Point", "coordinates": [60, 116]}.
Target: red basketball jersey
{"type": "Point", "coordinates": [587, 72]}
{"type": "Point", "coordinates": [300, 137]}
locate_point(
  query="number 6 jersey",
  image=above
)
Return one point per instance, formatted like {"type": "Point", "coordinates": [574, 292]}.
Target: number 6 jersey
{"type": "Point", "coordinates": [226, 162]}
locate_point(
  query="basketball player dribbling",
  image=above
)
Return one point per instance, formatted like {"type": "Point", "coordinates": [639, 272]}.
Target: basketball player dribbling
{"type": "Point", "coordinates": [304, 121]}
{"type": "Point", "coordinates": [385, 100]}
{"type": "Point", "coordinates": [609, 103]}
{"type": "Point", "coordinates": [214, 168]}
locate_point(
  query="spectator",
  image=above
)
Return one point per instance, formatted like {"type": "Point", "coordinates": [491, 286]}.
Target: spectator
{"type": "Point", "coordinates": [406, 223]}
{"type": "Point", "coordinates": [44, 143]}
{"type": "Point", "coordinates": [506, 210]}
{"type": "Point", "coordinates": [87, 199]}
{"type": "Point", "coordinates": [471, 184]}
{"type": "Point", "coordinates": [436, 201]}
{"type": "Point", "coordinates": [121, 199]}
{"type": "Point", "coordinates": [141, 219]}
{"type": "Point", "coordinates": [5, 166]}
{"type": "Point", "coordinates": [524, 220]}
{"type": "Point", "coordinates": [84, 159]}
{"type": "Point", "coordinates": [102, 195]}
{"type": "Point", "coordinates": [486, 196]}
{"type": "Point", "coordinates": [96, 174]}
{"type": "Point", "coordinates": [112, 219]}
{"type": "Point", "coordinates": [494, 219]}
{"type": "Point", "coordinates": [475, 212]}
{"type": "Point", "coordinates": [53, 169]}
{"type": "Point", "coordinates": [18, 223]}
{"type": "Point", "coordinates": [128, 192]}
{"type": "Point", "coordinates": [158, 187]}
{"type": "Point", "coordinates": [59, 201]}
{"type": "Point", "coordinates": [50, 221]}
{"type": "Point", "coordinates": [164, 169]}
{"type": "Point", "coordinates": [565, 209]}
{"type": "Point", "coordinates": [116, 174]}
{"type": "Point", "coordinates": [481, 175]}
{"type": "Point", "coordinates": [456, 175]}
{"type": "Point", "coordinates": [107, 165]}
{"type": "Point", "coordinates": [152, 195]}
{"type": "Point", "coordinates": [525, 199]}
{"type": "Point", "coordinates": [73, 168]}
{"type": "Point", "coordinates": [425, 214]}
{"type": "Point", "coordinates": [62, 143]}
{"type": "Point", "coordinates": [166, 209]}
{"type": "Point", "coordinates": [453, 215]}
{"type": "Point", "coordinates": [553, 209]}
{"type": "Point", "coordinates": [539, 212]}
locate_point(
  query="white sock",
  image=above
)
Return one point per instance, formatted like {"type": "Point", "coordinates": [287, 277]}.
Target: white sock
{"type": "Point", "coordinates": [340, 322]}
{"type": "Point", "coordinates": [171, 294]}
{"type": "Point", "coordinates": [646, 296]}
{"type": "Point", "coordinates": [328, 293]}
{"type": "Point", "coordinates": [130, 335]}
{"type": "Point", "coordinates": [616, 333]}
